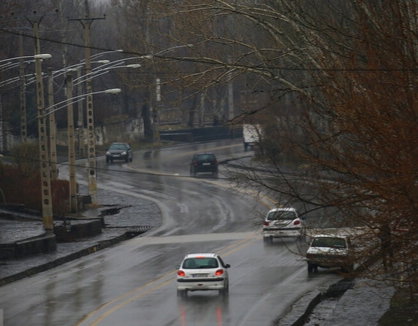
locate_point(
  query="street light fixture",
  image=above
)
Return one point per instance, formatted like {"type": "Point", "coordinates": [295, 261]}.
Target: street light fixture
{"type": "Point", "coordinates": [42, 56]}
{"type": "Point", "coordinates": [112, 91]}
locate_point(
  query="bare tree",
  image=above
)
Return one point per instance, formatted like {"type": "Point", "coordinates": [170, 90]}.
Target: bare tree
{"type": "Point", "coordinates": [331, 82]}
{"type": "Point", "coordinates": [339, 105]}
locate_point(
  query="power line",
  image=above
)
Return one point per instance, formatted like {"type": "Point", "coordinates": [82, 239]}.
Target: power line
{"type": "Point", "coordinates": [206, 61]}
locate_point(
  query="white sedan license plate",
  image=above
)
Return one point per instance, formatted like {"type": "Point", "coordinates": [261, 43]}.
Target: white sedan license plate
{"type": "Point", "coordinates": [200, 275]}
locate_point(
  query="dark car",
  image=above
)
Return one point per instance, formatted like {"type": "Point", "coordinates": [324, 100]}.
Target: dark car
{"type": "Point", "coordinates": [119, 151]}
{"type": "Point", "coordinates": [204, 163]}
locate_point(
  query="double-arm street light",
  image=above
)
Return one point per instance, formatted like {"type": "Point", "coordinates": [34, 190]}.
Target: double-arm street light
{"type": "Point", "coordinates": [52, 125]}
{"type": "Point", "coordinates": [91, 137]}
{"type": "Point", "coordinates": [9, 61]}
{"type": "Point", "coordinates": [68, 103]}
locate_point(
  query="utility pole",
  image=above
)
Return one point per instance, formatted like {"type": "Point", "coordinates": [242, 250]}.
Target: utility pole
{"type": "Point", "coordinates": [230, 114]}
{"type": "Point", "coordinates": [47, 214]}
{"type": "Point", "coordinates": [71, 145]}
{"type": "Point", "coordinates": [23, 120]}
{"type": "Point", "coordinates": [52, 126]}
{"type": "Point", "coordinates": [80, 115]}
{"type": "Point", "coordinates": [91, 137]}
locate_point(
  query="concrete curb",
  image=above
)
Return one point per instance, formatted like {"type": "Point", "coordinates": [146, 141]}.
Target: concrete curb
{"type": "Point", "coordinates": [301, 309]}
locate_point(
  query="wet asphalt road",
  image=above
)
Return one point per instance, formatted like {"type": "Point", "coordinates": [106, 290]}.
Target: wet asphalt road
{"type": "Point", "coordinates": [133, 283]}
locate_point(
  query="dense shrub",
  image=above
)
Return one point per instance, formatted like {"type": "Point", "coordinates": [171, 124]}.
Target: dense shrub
{"type": "Point", "coordinates": [19, 188]}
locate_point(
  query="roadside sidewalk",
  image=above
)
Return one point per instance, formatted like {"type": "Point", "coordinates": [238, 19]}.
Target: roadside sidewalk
{"type": "Point", "coordinates": [361, 304]}
{"type": "Point", "coordinates": [130, 214]}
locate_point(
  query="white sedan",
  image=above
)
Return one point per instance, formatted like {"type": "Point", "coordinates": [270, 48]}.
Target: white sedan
{"type": "Point", "coordinates": [202, 272]}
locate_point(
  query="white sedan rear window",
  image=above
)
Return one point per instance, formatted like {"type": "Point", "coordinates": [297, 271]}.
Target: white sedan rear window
{"type": "Point", "coordinates": [194, 263]}
{"type": "Point", "coordinates": [281, 215]}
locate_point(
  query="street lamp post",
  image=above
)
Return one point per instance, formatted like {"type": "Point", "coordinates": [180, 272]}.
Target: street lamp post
{"type": "Point", "coordinates": [80, 118]}
{"type": "Point", "coordinates": [71, 146]}
{"type": "Point", "coordinates": [47, 214]}
{"type": "Point", "coordinates": [52, 127]}
{"type": "Point", "coordinates": [91, 137]}
{"type": "Point", "coordinates": [23, 122]}
{"type": "Point", "coordinates": [80, 108]}
{"type": "Point", "coordinates": [80, 122]}
{"type": "Point", "coordinates": [52, 124]}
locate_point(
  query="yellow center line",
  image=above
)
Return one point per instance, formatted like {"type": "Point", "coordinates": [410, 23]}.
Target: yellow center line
{"type": "Point", "coordinates": [127, 297]}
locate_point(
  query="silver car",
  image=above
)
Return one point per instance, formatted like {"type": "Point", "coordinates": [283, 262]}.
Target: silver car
{"type": "Point", "coordinates": [202, 272]}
